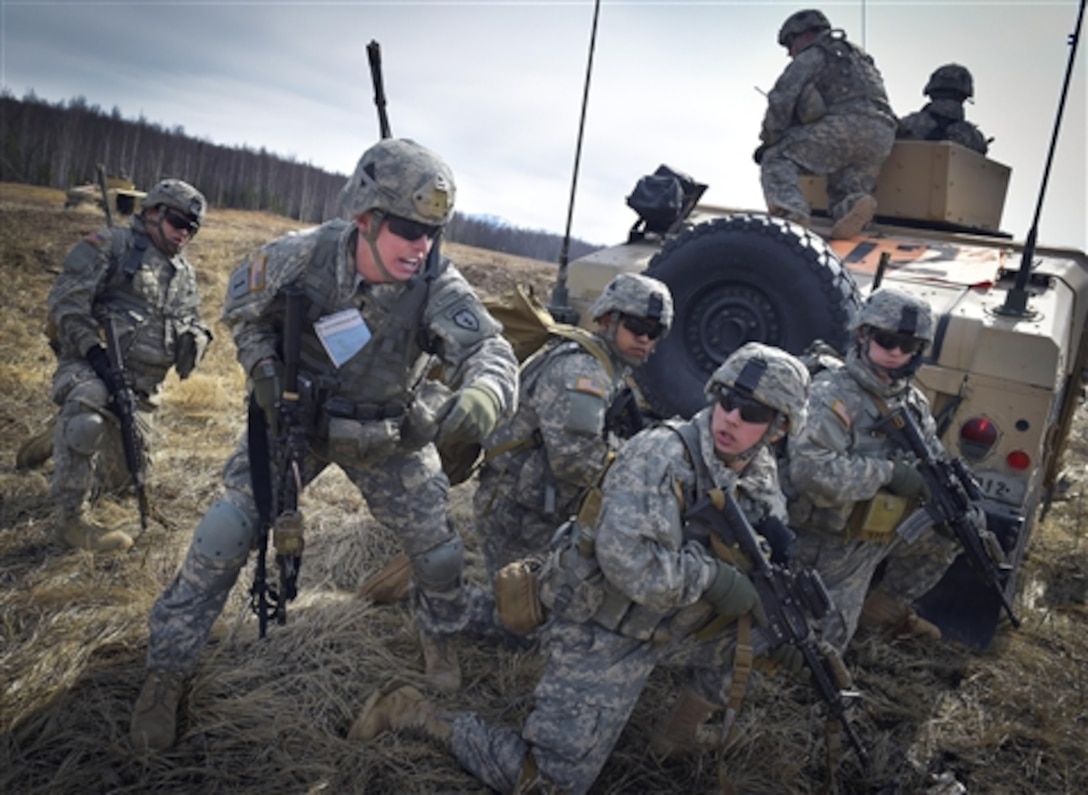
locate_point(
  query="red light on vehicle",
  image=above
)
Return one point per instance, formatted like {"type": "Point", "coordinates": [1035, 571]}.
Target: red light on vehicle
{"type": "Point", "coordinates": [1018, 460]}
{"type": "Point", "coordinates": [977, 438]}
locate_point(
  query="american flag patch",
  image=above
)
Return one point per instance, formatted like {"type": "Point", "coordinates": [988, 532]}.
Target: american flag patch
{"type": "Point", "coordinates": [257, 272]}
{"type": "Point", "coordinates": [589, 386]}
{"type": "Point", "coordinates": [96, 239]}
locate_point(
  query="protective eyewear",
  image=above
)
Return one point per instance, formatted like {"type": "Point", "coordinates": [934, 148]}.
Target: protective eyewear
{"type": "Point", "coordinates": [642, 327]}
{"type": "Point", "coordinates": [182, 223]}
{"type": "Point", "coordinates": [410, 230]}
{"type": "Point", "coordinates": [889, 341]}
{"type": "Point", "coordinates": [751, 410]}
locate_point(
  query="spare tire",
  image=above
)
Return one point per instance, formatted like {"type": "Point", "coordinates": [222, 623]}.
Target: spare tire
{"type": "Point", "coordinates": [736, 279]}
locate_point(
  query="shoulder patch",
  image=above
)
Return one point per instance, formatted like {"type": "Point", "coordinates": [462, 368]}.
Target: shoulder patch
{"type": "Point", "coordinates": [591, 386]}
{"type": "Point", "coordinates": [96, 239]}
{"type": "Point", "coordinates": [465, 318]}
{"type": "Point", "coordinates": [258, 266]}
{"type": "Point", "coordinates": [839, 409]}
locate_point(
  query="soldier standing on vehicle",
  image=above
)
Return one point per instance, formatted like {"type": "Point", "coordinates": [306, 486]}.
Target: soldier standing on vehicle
{"type": "Point", "coordinates": [828, 114]}
{"type": "Point", "coordinates": [943, 117]}
{"type": "Point", "coordinates": [138, 280]}
{"type": "Point", "coordinates": [849, 489]}
{"type": "Point", "coordinates": [632, 588]}
{"type": "Point", "coordinates": [378, 310]}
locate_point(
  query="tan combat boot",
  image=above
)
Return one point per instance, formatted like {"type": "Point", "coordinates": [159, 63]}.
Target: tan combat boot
{"type": "Point", "coordinates": [398, 706]}
{"type": "Point", "coordinates": [35, 451]}
{"type": "Point", "coordinates": [884, 613]}
{"type": "Point", "coordinates": [684, 729]}
{"type": "Point", "coordinates": [71, 530]}
{"type": "Point", "coordinates": [441, 668]}
{"type": "Point", "coordinates": [390, 584]}
{"type": "Point", "coordinates": [155, 714]}
{"type": "Point", "coordinates": [859, 216]}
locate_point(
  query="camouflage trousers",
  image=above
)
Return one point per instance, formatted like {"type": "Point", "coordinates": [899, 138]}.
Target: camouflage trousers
{"type": "Point", "coordinates": [405, 491]}
{"type": "Point", "coordinates": [847, 569]}
{"type": "Point", "coordinates": [591, 682]}
{"type": "Point", "coordinates": [80, 474]}
{"type": "Point", "coordinates": [848, 150]}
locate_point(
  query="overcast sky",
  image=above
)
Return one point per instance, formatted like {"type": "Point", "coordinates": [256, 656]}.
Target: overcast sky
{"type": "Point", "coordinates": [496, 87]}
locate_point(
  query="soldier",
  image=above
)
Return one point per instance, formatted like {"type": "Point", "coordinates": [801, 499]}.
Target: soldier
{"type": "Point", "coordinates": [557, 444]}
{"type": "Point", "coordinates": [396, 310]}
{"type": "Point", "coordinates": [848, 489]}
{"type": "Point", "coordinates": [138, 280]}
{"type": "Point", "coordinates": [828, 114]}
{"type": "Point", "coordinates": [634, 587]}
{"type": "Point", "coordinates": [943, 118]}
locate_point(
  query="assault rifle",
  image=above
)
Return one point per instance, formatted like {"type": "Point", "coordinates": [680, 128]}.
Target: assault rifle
{"type": "Point", "coordinates": [791, 600]}
{"type": "Point", "coordinates": [123, 404]}
{"type": "Point", "coordinates": [276, 472]}
{"type": "Point", "coordinates": [952, 490]}
{"type": "Point", "coordinates": [623, 417]}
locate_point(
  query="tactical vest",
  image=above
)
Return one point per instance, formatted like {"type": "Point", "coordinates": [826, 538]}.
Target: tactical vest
{"type": "Point", "coordinates": [849, 76]}
{"type": "Point", "coordinates": [378, 382]}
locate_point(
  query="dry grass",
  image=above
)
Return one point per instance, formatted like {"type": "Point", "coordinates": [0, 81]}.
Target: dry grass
{"type": "Point", "coordinates": [270, 716]}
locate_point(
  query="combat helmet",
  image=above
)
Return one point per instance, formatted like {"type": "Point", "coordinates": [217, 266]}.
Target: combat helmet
{"type": "Point", "coordinates": [637, 295]}
{"type": "Point", "coordinates": [397, 176]}
{"type": "Point", "coordinates": [177, 195]}
{"type": "Point", "coordinates": [799, 22]}
{"type": "Point", "coordinates": [950, 77]}
{"type": "Point", "coordinates": [771, 376]}
{"type": "Point", "coordinates": [897, 312]}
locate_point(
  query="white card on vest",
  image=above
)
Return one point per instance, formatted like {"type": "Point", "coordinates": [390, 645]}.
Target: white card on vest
{"type": "Point", "coordinates": [343, 334]}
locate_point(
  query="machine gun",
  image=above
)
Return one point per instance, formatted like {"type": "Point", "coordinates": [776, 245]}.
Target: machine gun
{"type": "Point", "coordinates": [123, 404]}
{"type": "Point", "coordinates": [276, 471]}
{"type": "Point", "coordinates": [952, 490]}
{"type": "Point", "coordinates": [790, 600]}
{"type": "Point", "coordinates": [623, 416]}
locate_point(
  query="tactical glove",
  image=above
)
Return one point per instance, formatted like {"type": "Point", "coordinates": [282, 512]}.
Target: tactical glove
{"type": "Point", "coordinates": [732, 594]}
{"type": "Point", "coordinates": [907, 482]}
{"type": "Point", "coordinates": [100, 361]}
{"type": "Point", "coordinates": [779, 537]}
{"type": "Point", "coordinates": [792, 662]}
{"type": "Point", "coordinates": [469, 415]}
{"type": "Point", "coordinates": [185, 355]}
{"type": "Point", "coordinates": [267, 379]}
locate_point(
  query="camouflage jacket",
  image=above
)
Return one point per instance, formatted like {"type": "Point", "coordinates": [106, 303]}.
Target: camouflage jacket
{"type": "Point", "coordinates": [151, 308]}
{"type": "Point", "coordinates": [437, 316]}
{"type": "Point", "coordinates": [837, 460]}
{"type": "Point", "coordinates": [942, 120]}
{"type": "Point", "coordinates": [560, 421]}
{"type": "Point", "coordinates": [829, 77]}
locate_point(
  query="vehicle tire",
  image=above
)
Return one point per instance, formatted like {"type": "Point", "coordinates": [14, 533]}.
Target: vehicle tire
{"type": "Point", "coordinates": [736, 279]}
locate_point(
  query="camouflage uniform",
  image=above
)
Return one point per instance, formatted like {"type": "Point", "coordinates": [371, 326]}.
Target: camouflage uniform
{"type": "Point", "coordinates": [361, 416]}
{"type": "Point", "coordinates": [151, 297]}
{"type": "Point", "coordinates": [634, 601]}
{"type": "Point", "coordinates": [943, 118]}
{"type": "Point", "coordinates": [560, 445]}
{"type": "Point", "coordinates": [835, 468]}
{"type": "Point", "coordinates": [828, 114]}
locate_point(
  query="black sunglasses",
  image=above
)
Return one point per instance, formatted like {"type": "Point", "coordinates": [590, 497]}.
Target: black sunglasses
{"type": "Point", "coordinates": [751, 410]}
{"type": "Point", "coordinates": [642, 327]}
{"type": "Point", "coordinates": [889, 341]}
{"type": "Point", "coordinates": [410, 230]}
{"type": "Point", "coordinates": [182, 223]}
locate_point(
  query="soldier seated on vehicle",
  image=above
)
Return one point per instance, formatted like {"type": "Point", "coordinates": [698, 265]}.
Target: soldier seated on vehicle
{"type": "Point", "coordinates": [943, 118]}
{"type": "Point", "coordinates": [632, 586]}
{"type": "Point", "coordinates": [849, 489]}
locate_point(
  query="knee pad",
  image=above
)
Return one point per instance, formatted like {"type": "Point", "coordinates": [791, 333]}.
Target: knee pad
{"type": "Point", "coordinates": [223, 535]}
{"type": "Point", "coordinates": [83, 432]}
{"type": "Point", "coordinates": [439, 568]}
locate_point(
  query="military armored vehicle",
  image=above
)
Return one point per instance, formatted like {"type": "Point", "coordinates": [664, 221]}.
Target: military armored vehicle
{"type": "Point", "coordinates": [1004, 375]}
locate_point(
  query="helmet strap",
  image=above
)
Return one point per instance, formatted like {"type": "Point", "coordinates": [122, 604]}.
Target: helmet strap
{"type": "Point", "coordinates": [377, 217]}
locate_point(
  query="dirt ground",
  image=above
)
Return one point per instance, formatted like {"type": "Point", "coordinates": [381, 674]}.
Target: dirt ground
{"type": "Point", "coordinates": [270, 716]}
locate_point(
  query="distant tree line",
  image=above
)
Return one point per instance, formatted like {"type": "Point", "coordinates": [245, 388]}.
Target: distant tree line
{"type": "Point", "coordinates": [60, 145]}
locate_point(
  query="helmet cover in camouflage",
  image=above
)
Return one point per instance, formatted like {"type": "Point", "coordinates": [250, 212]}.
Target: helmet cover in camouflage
{"type": "Point", "coordinates": [178, 195]}
{"type": "Point", "coordinates": [897, 312]}
{"type": "Point", "coordinates": [798, 23]}
{"type": "Point", "coordinates": [771, 376]}
{"type": "Point", "coordinates": [397, 176]}
{"type": "Point", "coordinates": [637, 295]}
{"type": "Point", "coordinates": [950, 77]}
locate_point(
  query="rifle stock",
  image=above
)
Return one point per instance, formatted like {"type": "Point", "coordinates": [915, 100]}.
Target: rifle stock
{"type": "Point", "coordinates": [791, 602]}
{"type": "Point", "coordinates": [123, 404]}
{"type": "Point", "coordinates": [952, 490]}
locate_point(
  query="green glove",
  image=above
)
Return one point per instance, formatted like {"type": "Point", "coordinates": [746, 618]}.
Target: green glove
{"type": "Point", "coordinates": [907, 482]}
{"type": "Point", "coordinates": [732, 594]}
{"type": "Point", "coordinates": [267, 380]}
{"type": "Point", "coordinates": [792, 662]}
{"type": "Point", "coordinates": [470, 415]}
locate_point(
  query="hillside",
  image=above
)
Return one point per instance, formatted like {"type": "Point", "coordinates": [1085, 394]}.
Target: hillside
{"type": "Point", "coordinates": [270, 716]}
